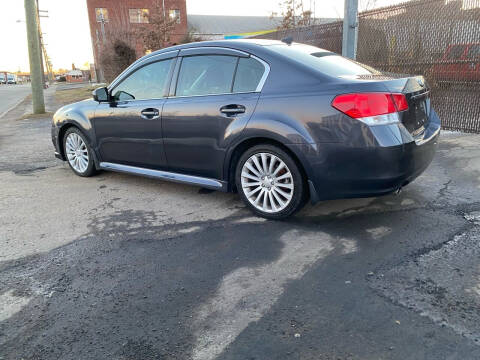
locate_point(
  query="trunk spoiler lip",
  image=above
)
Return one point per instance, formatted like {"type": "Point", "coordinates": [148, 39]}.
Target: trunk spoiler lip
{"type": "Point", "coordinates": [421, 95]}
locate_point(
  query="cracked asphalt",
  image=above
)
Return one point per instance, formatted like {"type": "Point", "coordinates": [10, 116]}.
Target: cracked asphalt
{"type": "Point", "coordinates": [122, 267]}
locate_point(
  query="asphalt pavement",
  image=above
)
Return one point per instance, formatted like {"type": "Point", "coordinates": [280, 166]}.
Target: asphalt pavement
{"type": "Point", "coordinates": [12, 95]}
{"type": "Point", "coordinates": [123, 267]}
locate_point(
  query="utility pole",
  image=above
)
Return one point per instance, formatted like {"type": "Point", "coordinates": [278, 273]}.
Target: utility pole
{"type": "Point", "coordinates": [36, 71]}
{"type": "Point", "coordinates": [293, 9]}
{"type": "Point", "coordinates": [164, 22]}
{"type": "Point", "coordinates": [350, 29]}
{"type": "Point", "coordinates": [102, 22]}
{"type": "Point", "coordinates": [45, 62]}
{"type": "Point", "coordinates": [314, 14]}
{"type": "Point", "coordinates": [40, 42]}
{"type": "Point", "coordinates": [101, 75]}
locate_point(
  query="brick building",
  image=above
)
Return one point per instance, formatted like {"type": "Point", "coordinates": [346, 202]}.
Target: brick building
{"type": "Point", "coordinates": [75, 76]}
{"type": "Point", "coordinates": [110, 17]}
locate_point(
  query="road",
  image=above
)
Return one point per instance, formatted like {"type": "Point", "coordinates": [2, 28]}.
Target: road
{"type": "Point", "coordinates": [122, 267]}
{"type": "Point", "coordinates": [11, 95]}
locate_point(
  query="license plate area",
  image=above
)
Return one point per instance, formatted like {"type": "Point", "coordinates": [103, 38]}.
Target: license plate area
{"type": "Point", "coordinates": [416, 117]}
{"type": "Point", "coordinates": [421, 114]}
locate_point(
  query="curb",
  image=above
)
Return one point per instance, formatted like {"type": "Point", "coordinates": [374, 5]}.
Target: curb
{"type": "Point", "coordinates": [12, 107]}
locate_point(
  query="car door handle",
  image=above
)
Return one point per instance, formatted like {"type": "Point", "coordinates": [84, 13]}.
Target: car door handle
{"type": "Point", "coordinates": [232, 109]}
{"type": "Point", "coordinates": [150, 113]}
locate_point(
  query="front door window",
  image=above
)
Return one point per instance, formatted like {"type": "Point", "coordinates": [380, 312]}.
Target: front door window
{"type": "Point", "coordinates": [148, 82]}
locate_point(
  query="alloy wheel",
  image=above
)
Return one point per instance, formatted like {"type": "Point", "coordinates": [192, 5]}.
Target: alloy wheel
{"type": "Point", "coordinates": [77, 152]}
{"type": "Point", "coordinates": [267, 182]}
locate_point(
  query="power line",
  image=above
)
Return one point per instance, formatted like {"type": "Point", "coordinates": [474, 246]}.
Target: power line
{"type": "Point", "coordinates": [45, 58]}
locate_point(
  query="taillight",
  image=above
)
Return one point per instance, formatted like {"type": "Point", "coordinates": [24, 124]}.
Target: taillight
{"type": "Point", "coordinates": [400, 102]}
{"type": "Point", "coordinates": [371, 108]}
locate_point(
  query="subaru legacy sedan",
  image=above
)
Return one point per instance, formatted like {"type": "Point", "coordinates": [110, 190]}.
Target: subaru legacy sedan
{"type": "Point", "coordinates": [277, 122]}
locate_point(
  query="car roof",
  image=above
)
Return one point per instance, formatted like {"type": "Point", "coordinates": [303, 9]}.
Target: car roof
{"type": "Point", "coordinates": [238, 44]}
{"type": "Point", "coordinates": [247, 45]}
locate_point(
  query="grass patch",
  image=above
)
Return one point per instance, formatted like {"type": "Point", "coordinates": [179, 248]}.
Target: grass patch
{"type": "Point", "coordinates": [67, 96]}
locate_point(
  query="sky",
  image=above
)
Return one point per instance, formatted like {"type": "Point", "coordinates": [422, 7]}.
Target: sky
{"type": "Point", "coordinates": [68, 34]}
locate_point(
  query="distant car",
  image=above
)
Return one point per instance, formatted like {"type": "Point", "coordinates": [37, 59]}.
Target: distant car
{"type": "Point", "coordinates": [279, 123]}
{"type": "Point", "coordinates": [11, 79]}
{"type": "Point", "coordinates": [460, 62]}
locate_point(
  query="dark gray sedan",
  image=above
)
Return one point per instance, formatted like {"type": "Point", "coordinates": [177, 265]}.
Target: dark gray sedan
{"type": "Point", "coordinates": [278, 122]}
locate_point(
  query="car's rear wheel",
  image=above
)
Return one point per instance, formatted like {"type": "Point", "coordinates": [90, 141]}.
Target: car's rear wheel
{"type": "Point", "coordinates": [270, 182]}
{"type": "Point", "coordinates": [78, 153]}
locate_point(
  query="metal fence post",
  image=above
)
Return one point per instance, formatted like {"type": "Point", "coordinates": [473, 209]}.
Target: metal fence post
{"type": "Point", "coordinates": [36, 71]}
{"type": "Point", "coordinates": [350, 29]}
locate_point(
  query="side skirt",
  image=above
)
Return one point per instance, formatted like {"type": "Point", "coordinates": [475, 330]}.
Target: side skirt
{"type": "Point", "coordinates": [165, 175]}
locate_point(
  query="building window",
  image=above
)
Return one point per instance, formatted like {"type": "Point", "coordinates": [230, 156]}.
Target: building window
{"type": "Point", "coordinates": [175, 14]}
{"type": "Point", "coordinates": [138, 16]}
{"type": "Point", "coordinates": [101, 14]}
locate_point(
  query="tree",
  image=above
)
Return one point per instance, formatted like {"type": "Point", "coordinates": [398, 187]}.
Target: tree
{"type": "Point", "coordinates": [289, 13]}
{"type": "Point", "coordinates": [157, 33]}
{"type": "Point", "coordinates": [117, 54]}
{"type": "Point", "coordinates": [190, 37]}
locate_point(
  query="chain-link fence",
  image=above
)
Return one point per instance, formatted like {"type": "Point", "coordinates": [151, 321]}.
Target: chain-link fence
{"type": "Point", "coordinates": [439, 39]}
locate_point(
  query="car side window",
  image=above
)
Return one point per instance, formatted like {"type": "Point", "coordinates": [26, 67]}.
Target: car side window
{"type": "Point", "coordinates": [148, 82]}
{"type": "Point", "coordinates": [456, 52]}
{"type": "Point", "coordinates": [248, 75]}
{"type": "Point", "coordinates": [206, 75]}
{"type": "Point", "coordinates": [474, 52]}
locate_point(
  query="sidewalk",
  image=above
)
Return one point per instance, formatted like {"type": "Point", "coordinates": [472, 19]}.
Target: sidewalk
{"type": "Point", "coordinates": [50, 102]}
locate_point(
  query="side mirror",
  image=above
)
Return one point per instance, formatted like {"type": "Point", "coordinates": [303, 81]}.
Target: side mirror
{"type": "Point", "coordinates": [101, 95]}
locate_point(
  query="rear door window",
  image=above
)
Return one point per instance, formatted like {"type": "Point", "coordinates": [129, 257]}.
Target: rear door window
{"type": "Point", "coordinates": [248, 75]}
{"type": "Point", "coordinates": [206, 75]}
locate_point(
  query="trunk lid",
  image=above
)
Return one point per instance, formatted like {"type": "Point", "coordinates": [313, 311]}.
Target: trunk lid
{"type": "Point", "coordinates": [415, 119]}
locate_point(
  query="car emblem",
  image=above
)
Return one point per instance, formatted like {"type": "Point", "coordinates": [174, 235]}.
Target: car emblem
{"type": "Point", "coordinates": [420, 82]}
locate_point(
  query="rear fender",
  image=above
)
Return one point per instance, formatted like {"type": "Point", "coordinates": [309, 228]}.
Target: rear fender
{"type": "Point", "coordinates": [297, 142]}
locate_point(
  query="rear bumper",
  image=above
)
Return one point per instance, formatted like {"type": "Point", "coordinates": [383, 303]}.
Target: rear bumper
{"type": "Point", "coordinates": [342, 171]}
{"type": "Point", "coordinates": [372, 172]}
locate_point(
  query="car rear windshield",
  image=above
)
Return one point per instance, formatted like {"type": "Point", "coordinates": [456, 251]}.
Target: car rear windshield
{"type": "Point", "coordinates": [325, 61]}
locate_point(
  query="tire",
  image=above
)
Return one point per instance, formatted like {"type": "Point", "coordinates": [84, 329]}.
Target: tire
{"type": "Point", "coordinates": [285, 187]}
{"type": "Point", "coordinates": [78, 153]}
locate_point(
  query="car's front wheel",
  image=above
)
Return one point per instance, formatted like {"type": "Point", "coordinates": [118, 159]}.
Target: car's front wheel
{"type": "Point", "coordinates": [270, 182]}
{"type": "Point", "coordinates": [78, 153]}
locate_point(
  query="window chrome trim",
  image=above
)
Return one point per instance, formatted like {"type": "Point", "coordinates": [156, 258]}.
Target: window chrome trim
{"type": "Point", "coordinates": [228, 93]}
{"type": "Point", "coordinates": [259, 88]}
{"type": "Point", "coordinates": [265, 73]}
{"type": "Point", "coordinates": [178, 55]}
{"type": "Point", "coordinates": [164, 175]}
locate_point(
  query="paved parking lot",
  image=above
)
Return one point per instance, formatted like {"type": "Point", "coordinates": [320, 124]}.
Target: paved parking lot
{"type": "Point", "coordinates": [122, 267]}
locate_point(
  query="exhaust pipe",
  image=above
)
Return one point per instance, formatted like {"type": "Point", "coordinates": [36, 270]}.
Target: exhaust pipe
{"type": "Point", "coordinates": [398, 191]}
